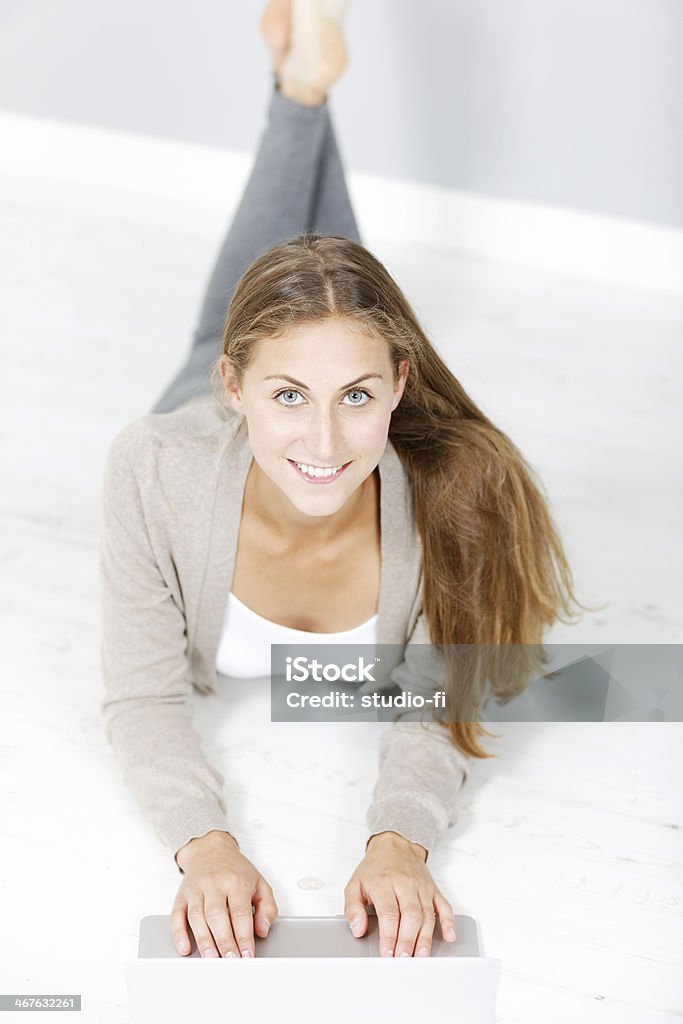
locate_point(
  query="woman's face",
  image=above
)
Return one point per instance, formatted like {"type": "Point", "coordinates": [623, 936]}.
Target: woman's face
{"type": "Point", "coordinates": [321, 396]}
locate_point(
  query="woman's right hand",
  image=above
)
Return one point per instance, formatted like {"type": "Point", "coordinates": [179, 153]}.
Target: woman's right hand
{"type": "Point", "coordinates": [215, 897]}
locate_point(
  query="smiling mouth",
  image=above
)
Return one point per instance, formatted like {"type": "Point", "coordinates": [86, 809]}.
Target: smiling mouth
{"type": "Point", "coordinates": [322, 478]}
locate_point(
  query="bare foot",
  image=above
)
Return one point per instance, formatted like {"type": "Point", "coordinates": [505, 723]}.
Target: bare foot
{"type": "Point", "coordinates": [307, 46]}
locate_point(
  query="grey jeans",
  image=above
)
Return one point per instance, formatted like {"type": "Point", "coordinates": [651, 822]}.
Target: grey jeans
{"type": "Point", "coordinates": [296, 184]}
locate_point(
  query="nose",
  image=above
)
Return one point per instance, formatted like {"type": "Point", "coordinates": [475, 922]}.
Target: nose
{"type": "Point", "coordinates": [323, 439]}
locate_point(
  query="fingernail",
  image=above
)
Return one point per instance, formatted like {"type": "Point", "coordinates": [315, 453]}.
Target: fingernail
{"type": "Point", "coordinates": [423, 951]}
{"type": "Point", "coordinates": [404, 954]}
{"type": "Point", "coordinates": [231, 954]}
{"type": "Point", "coordinates": [356, 926]}
{"type": "Point", "coordinates": [182, 947]}
{"type": "Point", "coordinates": [246, 952]}
{"type": "Point", "coordinates": [210, 952]}
{"type": "Point", "coordinates": [266, 926]}
{"type": "Point", "coordinates": [388, 952]}
{"type": "Point", "coordinates": [450, 934]}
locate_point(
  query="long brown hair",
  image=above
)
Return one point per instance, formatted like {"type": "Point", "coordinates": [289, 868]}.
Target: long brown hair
{"type": "Point", "coordinates": [494, 571]}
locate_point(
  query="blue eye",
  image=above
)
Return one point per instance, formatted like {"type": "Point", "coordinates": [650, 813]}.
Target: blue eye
{"type": "Point", "coordinates": [293, 405]}
{"type": "Point", "coordinates": [360, 391]}
{"type": "Point", "coordinates": [288, 392]}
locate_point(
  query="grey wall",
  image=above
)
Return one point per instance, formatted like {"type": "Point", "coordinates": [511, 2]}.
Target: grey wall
{"type": "Point", "coordinates": [572, 102]}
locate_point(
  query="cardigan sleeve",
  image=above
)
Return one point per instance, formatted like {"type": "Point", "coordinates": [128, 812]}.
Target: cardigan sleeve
{"type": "Point", "coordinates": [144, 664]}
{"type": "Point", "coordinates": [421, 771]}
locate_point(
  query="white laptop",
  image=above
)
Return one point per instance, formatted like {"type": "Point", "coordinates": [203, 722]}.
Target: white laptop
{"type": "Point", "coordinates": [312, 969]}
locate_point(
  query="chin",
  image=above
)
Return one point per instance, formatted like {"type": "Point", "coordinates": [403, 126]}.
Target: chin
{"type": "Point", "coordinates": [321, 512]}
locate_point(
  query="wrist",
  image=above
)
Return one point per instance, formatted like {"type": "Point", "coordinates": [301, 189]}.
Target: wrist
{"type": "Point", "coordinates": [397, 841]}
{"type": "Point", "coordinates": [215, 839]}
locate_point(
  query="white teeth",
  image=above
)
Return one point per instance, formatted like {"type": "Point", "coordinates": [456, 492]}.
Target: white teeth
{"type": "Point", "coordinates": [315, 471]}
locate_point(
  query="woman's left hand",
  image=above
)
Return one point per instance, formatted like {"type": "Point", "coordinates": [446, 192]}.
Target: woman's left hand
{"type": "Point", "coordinates": [393, 877]}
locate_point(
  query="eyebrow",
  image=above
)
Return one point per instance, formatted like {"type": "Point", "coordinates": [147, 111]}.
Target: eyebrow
{"type": "Point", "coordinates": [305, 387]}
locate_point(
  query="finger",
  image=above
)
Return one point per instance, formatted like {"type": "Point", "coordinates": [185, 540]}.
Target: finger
{"type": "Point", "coordinates": [423, 945]}
{"type": "Point", "coordinates": [386, 907]}
{"type": "Point", "coordinates": [265, 908]}
{"type": "Point", "coordinates": [179, 928]}
{"type": "Point", "coordinates": [354, 908]}
{"type": "Point", "coordinates": [200, 929]}
{"type": "Point", "coordinates": [242, 920]}
{"type": "Point", "coordinates": [217, 918]}
{"type": "Point", "coordinates": [446, 916]}
{"type": "Point", "coordinates": [410, 910]}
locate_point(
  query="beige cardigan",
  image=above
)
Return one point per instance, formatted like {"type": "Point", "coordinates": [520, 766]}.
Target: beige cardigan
{"type": "Point", "coordinates": [172, 499]}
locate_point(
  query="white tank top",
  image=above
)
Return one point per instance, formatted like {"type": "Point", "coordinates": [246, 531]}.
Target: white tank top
{"type": "Point", "coordinates": [244, 646]}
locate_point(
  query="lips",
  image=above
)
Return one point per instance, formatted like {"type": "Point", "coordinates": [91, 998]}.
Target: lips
{"type": "Point", "coordinates": [317, 479]}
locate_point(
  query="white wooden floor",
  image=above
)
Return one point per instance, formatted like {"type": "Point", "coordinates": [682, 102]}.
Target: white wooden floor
{"type": "Point", "coordinates": [568, 848]}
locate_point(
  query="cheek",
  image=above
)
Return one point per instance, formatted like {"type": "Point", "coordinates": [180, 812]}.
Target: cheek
{"type": "Point", "coordinates": [375, 429]}
{"type": "Point", "coordinates": [365, 433]}
{"type": "Point", "coordinates": [269, 429]}
{"type": "Point", "coordinates": [376, 439]}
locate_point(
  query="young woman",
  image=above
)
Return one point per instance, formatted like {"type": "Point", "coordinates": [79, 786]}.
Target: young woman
{"type": "Point", "coordinates": [315, 472]}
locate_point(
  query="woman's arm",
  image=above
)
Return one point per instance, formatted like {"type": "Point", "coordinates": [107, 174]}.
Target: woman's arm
{"type": "Point", "coordinates": [414, 801]}
{"type": "Point", "coordinates": [420, 776]}
{"type": "Point", "coordinates": [421, 771]}
{"type": "Point", "coordinates": [145, 666]}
